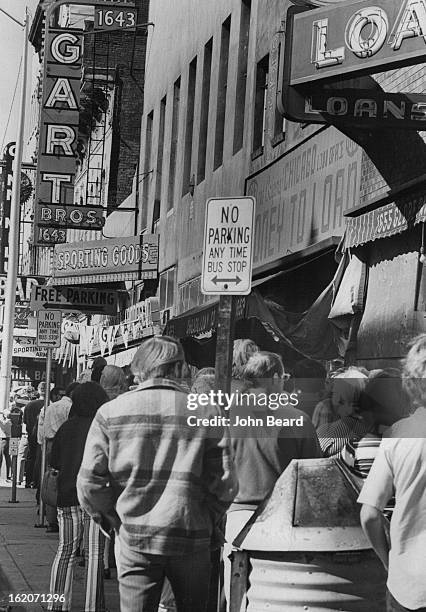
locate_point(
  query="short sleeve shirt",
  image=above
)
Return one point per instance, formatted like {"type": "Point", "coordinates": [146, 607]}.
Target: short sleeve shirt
{"type": "Point", "coordinates": [400, 468]}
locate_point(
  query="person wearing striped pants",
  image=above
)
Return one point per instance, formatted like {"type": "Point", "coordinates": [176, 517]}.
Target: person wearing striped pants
{"type": "Point", "coordinates": [75, 525]}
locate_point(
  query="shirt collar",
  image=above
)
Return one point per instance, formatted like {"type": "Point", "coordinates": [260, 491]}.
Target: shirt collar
{"type": "Point", "coordinates": [152, 383]}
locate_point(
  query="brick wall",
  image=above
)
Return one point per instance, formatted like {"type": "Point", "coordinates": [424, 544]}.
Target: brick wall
{"type": "Point", "coordinates": [126, 51]}
{"type": "Point", "coordinates": [392, 157]}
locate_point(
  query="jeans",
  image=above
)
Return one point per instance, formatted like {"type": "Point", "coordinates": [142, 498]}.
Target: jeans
{"type": "Point", "coordinates": [141, 577]}
{"type": "Point", "coordinates": [393, 606]}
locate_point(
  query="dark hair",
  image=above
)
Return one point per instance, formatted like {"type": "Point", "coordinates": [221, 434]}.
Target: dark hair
{"type": "Point", "coordinates": [55, 392]}
{"type": "Point", "coordinates": [87, 398]}
{"type": "Point", "coordinates": [98, 365]}
{"type": "Point", "coordinates": [71, 387]}
{"type": "Point", "coordinates": [385, 397]}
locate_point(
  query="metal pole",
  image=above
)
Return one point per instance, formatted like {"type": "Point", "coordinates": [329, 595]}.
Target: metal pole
{"type": "Point", "coordinates": [224, 343]}
{"type": "Point", "coordinates": [14, 478]}
{"type": "Point", "coordinates": [223, 375]}
{"type": "Point", "coordinates": [12, 268]}
{"type": "Point", "coordinates": [43, 448]}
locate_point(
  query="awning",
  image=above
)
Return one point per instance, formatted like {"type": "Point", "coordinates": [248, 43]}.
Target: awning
{"type": "Point", "coordinates": [293, 335]}
{"type": "Point", "coordinates": [123, 357]}
{"type": "Point", "coordinates": [386, 221]}
{"type": "Point", "coordinates": [196, 329]}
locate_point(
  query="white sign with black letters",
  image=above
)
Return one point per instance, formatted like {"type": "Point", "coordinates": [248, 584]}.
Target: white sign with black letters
{"type": "Point", "coordinates": [49, 328]}
{"type": "Point", "coordinates": [228, 246]}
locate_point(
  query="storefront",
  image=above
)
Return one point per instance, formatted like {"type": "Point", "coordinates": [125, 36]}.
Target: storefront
{"type": "Point", "coordinates": [390, 241]}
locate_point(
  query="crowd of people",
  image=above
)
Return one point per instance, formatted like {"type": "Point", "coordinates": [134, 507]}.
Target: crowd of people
{"type": "Point", "coordinates": [137, 482]}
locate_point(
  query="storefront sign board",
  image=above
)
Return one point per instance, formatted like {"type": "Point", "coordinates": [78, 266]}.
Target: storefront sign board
{"type": "Point", "coordinates": [111, 259]}
{"type": "Point", "coordinates": [228, 246]}
{"type": "Point", "coordinates": [27, 347]}
{"type": "Point", "coordinates": [356, 38]}
{"type": "Point", "coordinates": [302, 197]}
{"type": "Point", "coordinates": [59, 125]}
{"type": "Point", "coordinates": [67, 216]}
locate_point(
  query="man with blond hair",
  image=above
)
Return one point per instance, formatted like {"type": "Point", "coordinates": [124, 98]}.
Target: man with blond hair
{"type": "Point", "coordinates": [400, 468]}
{"type": "Point", "coordinates": [162, 484]}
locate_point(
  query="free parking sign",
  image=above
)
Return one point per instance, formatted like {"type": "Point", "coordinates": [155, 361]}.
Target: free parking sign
{"type": "Point", "coordinates": [228, 246]}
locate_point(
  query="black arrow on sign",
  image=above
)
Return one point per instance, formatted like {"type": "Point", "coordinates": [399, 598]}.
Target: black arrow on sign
{"type": "Point", "coordinates": [237, 280]}
{"type": "Point", "coordinates": [84, 308]}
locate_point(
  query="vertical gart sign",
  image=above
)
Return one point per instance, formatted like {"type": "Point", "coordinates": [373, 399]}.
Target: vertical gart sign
{"type": "Point", "coordinates": [59, 128]}
{"type": "Point", "coordinates": [6, 198]}
{"type": "Point", "coordinates": [228, 239]}
{"type": "Point", "coordinates": [49, 328]}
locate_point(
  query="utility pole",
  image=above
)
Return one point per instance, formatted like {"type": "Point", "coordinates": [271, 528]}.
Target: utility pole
{"type": "Point", "coordinates": [12, 268]}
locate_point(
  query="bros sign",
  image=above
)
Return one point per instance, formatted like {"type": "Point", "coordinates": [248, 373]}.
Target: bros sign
{"type": "Point", "coordinates": [357, 37]}
{"type": "Point", "coordinates": [59, 125]}
{"type": "Point", "coordinates": [228, 246]}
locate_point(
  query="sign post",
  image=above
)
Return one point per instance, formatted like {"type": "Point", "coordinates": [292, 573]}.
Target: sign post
{"type": "Point", "coordinates": [228, 246]}
{"type": "Point", "coordinates": [13, 452]}
{"type": "Point", "coordinates": [227, 269]}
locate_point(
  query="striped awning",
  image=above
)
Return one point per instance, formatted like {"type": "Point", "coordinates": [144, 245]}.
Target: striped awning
{"type": "Point", "coordinates": [385, 221]}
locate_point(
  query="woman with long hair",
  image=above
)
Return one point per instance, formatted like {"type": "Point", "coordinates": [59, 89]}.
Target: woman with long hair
{"type": "Point", "coordinates": [74, 523]}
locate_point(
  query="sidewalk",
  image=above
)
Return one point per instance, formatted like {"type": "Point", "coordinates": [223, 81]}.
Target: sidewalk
{"type": "Point", "coordinates": [26, 555]}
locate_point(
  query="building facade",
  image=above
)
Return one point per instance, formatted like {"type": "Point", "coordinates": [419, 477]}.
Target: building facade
{"type": "Point", "coordinates": [211, 128]}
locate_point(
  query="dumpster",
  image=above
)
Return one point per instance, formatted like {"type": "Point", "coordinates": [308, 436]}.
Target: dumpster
{"type": "Point", "coordinates": [304, 548]}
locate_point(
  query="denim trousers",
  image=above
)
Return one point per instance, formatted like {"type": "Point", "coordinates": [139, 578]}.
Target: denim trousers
{"type": "Point", "coordinates": [141, 577]}
{"type": "Point", "coordinates": [392, 605]}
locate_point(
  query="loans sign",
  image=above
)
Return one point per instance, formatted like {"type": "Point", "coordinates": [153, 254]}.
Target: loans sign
{"type": "Point", "coordinates": [228, 242]}
{"type": "Point", "coordinates": [59, 127]}
{"type": "Point", "coordinates": [357, 37]}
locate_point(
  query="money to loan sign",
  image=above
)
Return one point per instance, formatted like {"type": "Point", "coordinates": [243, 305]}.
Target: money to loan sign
{"type": "Point", "coordinates": [228, 246]}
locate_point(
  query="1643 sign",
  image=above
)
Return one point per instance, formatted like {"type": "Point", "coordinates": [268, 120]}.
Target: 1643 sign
{"type": "Point", "coordinates": [115, 19]}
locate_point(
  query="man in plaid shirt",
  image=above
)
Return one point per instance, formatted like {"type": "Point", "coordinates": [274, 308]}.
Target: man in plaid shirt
{"type": "Point", "coordinates": [163, 484]}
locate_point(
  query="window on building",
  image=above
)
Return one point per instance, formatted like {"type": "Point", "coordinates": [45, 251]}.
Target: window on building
{"type": "Point", "coordinates": [240, 95]}
{"type": "Point", "coordinates": [189, 126]}
{"type": "Point", "coordinates": [160, 150]}
{"type": "Point", "coordinates": [259, 127]}
{"type": "Point", "coordinates": [145, 178]}
{"type": "Point", "coordinates": [174, 144]}
{"type": "Point", "coordinates": [204, 120]}
{"type": "Point", "coordinates": [221, 93]}
{"type": "Point", "coordinates": [167, 288]}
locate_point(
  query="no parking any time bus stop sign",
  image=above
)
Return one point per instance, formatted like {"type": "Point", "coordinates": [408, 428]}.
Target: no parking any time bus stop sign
{"type": "Point", "coordinates": [228, 246]}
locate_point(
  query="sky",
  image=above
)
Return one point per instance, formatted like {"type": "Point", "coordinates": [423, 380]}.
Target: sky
{"type": "Point", "coordinates": [11, 44]}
